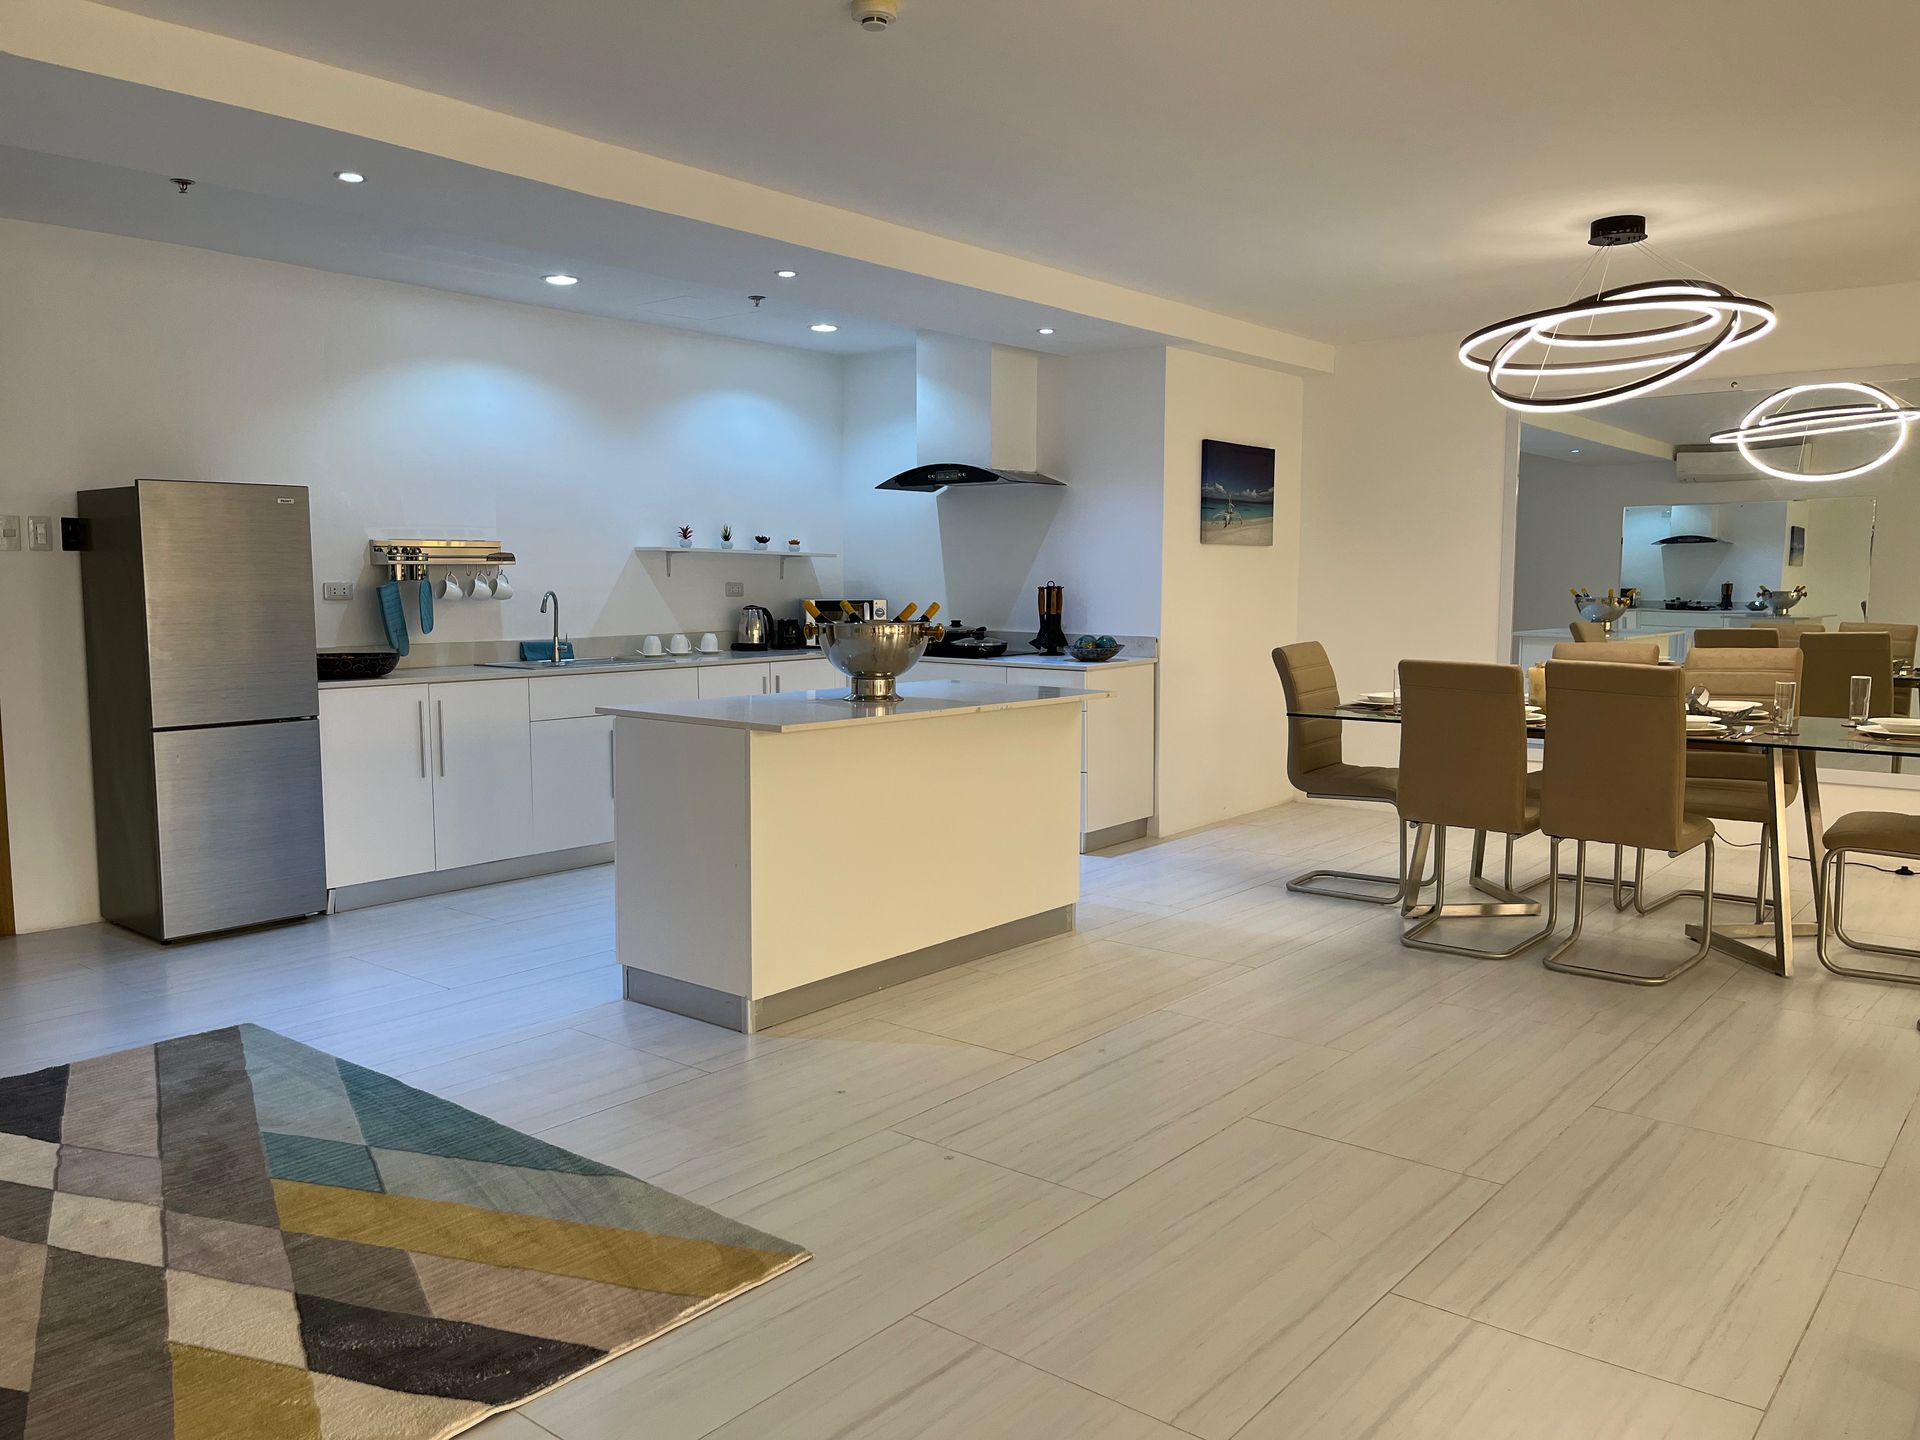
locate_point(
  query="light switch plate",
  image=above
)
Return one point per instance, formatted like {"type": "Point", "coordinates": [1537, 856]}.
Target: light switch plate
{"type": "Point", "coordinates": [736, 589]}
{"type": "Point", "coordinates": [336, 590]}
{"type": "Point", "coordinates": [39, 532]}
{"type": "Point", "coordinates": [9, 532]}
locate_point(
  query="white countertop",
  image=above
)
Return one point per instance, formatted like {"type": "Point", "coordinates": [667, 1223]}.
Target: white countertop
{"type": "Point", "coordinates": [830, 709]}
{"type": "Point", "coordinates": [445, 674]}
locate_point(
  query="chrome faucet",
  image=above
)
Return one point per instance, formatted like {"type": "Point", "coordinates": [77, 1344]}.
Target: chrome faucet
{"type": "Point", "coordinates": [555, 659]}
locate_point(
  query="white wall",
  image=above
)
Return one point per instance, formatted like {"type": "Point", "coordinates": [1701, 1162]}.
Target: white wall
{"type": "Point", "coordinates": [1224, 608]}
{"type": "Point", "coordinates": [1407, 500]}
{"type": "Point", "coordinates": [571, 439]}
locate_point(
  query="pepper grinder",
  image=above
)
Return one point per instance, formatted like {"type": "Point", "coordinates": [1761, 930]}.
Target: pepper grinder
{"type": "Point", "coordinates": [1052, 640]}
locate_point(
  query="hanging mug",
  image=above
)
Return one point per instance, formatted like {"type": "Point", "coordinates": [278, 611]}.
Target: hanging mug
{"type": "Point", "coordinates": [502, 587]}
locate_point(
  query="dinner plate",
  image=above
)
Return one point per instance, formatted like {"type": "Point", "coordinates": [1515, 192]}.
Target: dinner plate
{"type": "Point", "coordinates": [1879, 733]}
{"type": "Point", "coordinates": [1733, 707]}
{"type": "Point", "coordinates": [1898, 724]}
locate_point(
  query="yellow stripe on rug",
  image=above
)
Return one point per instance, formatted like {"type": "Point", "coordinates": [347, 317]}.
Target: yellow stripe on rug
{"type": "Point", "coordinates": [635, 1259]}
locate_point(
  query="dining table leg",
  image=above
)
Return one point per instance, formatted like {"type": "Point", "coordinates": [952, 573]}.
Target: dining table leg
{"type": "Point", "coordinates": [1816, 833]}
{"type": "Point", "coordinates": [1737, 940]}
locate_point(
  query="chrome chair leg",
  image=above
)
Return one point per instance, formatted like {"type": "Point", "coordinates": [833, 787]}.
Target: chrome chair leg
{"type": "Point", "coordinates": [1308, 883]}
{"type": "Point", "coordinates": [1440, 910]}
{"type": "Point", "coordinates": [1834, 923]}
{"type": "Point", "coordinates": [1552, 959]}
{"type": "Point", "coordinates": [1761, 900]}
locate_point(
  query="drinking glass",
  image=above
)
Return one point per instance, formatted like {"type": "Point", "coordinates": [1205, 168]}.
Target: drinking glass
{"type": "Point", "coordinates": [1396, 689]}
{"type": "Point", "coordinates": [1859, 698]}
{"type": "Point", "coordinates": [1786, 707]}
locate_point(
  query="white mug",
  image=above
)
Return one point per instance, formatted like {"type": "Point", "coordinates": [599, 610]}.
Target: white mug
{"type": "Point", "coordinates": [502, 587]}
{"type": "Point", "coordinates": [481, 590]}
{"type": "Point", "coordinates": [709, 644]}
{"type": "Point", "coordinates": [650, 645]}
{"type": "Point", "coordinates": [679, 645]}
{"type": "Point", "coordinates": [450, 589]}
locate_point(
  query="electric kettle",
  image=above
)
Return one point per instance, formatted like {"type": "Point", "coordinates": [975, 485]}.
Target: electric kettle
{"type": "Point", "coordinates": [755, 631]}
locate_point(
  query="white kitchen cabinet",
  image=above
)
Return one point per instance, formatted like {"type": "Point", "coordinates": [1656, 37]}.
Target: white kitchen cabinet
{"type": "Point", "coordinates": [572, 783]}
{"type": "Point", "coordinates": [1117, 747]}
{"type": "Point", "coordinates": [569, 697]}
{"type": "Point", "coordinates": [482, 772]}
{"type": "Point", "coordinates": [970, 671]}
{"type": "Point", "coordinates": [376, 782]}
{"type": "Point", "coordinates": [815, 674]}
{"type": "Point", "coordinates": [734, 680]}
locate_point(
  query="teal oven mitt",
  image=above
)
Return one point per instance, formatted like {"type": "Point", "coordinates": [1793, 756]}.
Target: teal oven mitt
{"type": "Point", "coordinates": [426, 607]}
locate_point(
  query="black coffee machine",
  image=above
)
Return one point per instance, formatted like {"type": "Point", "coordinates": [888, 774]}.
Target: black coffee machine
{"type": "Point", "coordinates": [789, 634]}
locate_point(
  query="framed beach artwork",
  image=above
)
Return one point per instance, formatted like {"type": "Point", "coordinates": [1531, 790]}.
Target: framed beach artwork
{"type": "Point", "coordinates": [1236, 494]}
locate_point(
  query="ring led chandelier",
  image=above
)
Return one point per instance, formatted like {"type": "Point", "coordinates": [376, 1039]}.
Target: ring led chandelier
{"type": "Point", "coordinates": [1771, 421]}
{"type": "Point", "coordinates": [1615, 343]}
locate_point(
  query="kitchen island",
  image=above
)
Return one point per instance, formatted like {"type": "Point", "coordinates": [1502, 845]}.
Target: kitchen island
{"type": "Point", "coordinates": [778, 854]}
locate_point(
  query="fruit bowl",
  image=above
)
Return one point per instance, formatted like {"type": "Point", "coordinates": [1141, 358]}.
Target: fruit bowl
{"type": "Point", "coordinates": [1095, 649]}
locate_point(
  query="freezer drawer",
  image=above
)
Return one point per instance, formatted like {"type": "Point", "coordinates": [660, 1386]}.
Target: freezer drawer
{"type": "Point", "coordinates": [239, 820]}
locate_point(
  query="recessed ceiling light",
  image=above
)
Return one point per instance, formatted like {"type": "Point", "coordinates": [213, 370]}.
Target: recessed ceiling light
{"type": "Point", "coordinates": [1044, 330]}
{"type": "Point", "coordinates": [562, 279]}
{"type": "Point", "coordinates": [823, 328]}
{"type": "Point", "coordinates": [348, 177]}
{"type": "Point", "coordinates": [786, 274]}
{"type": "Point", "coordinates": [1574, 451]}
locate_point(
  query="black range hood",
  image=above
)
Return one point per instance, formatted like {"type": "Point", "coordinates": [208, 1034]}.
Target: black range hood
{"type": "Point", "coordinates": [1690, 540]}
{"type": "Point", "coordinates": [932, 479]}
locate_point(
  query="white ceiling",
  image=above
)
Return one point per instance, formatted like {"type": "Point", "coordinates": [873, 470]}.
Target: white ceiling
{"type": "Point", "coordinates": [1577, 450]}
{"type": "Point", "coordinates": [93, 152]}
{"type": "Point", "coordinates": [1688, 419]}
{"type": "Point", "coordinates": [1340, 171]}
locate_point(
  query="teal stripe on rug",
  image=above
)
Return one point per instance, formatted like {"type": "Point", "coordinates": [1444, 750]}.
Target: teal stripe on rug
{"type": "Point", "coordinates": [321, 1162]}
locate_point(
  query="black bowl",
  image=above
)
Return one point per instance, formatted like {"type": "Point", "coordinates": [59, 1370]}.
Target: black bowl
{"type": "Point", "coordinates": [356, 664]}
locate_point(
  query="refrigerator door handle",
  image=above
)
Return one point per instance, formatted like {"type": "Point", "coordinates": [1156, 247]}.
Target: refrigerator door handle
{"type": "Point", "coordinates": [440, 728]}
{"type": "Point", "coordinates": [420, 721]}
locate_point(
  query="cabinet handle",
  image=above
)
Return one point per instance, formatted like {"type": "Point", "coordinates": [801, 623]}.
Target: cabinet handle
{"type": "Point", "coordinates": [440, 729]}
{"type": "Point", "coordinates": [610, 762]}
{"type": "Point", "coordinates": [776, 684]}
{"type": "Point", "coordinates": [763, 684]}
{"type": "Point", "coordinates": [420, 723]}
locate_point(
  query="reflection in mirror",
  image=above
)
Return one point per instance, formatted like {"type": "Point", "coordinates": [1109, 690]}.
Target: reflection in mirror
{"type": "Point", "coordinates": [1635, 496]}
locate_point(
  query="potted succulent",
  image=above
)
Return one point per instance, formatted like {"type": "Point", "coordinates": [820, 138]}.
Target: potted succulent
{"type": "Point", "coordinates": [726, 537]}
{"type": "Point", "coordinates": [793, 544]}
{"type": "Point", "coordinates": [686, 537]}
{"type": "Point", "coordinates": [760, 542]}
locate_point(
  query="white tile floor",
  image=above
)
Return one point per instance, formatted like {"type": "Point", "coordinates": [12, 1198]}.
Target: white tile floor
{"type": "Point", "coordinates": [1228, 1162]}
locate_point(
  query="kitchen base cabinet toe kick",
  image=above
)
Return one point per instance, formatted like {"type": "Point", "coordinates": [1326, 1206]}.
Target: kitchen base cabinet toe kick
{"type": "Point", "coordinates": [764, 869]}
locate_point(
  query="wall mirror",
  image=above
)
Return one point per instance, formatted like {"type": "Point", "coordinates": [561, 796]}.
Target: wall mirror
{"type": "Point", "coordinates": [1635, 495]}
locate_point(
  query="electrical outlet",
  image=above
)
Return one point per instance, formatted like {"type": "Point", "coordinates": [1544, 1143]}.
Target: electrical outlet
{"type": "Point", "coordinates": [39, 532]}
{"type": "Point", "coordinates": [336, 590]}
{"type": "Point", "coordinates": [736, 589]}
{"type": "Point", "coordinates": [9, 532]}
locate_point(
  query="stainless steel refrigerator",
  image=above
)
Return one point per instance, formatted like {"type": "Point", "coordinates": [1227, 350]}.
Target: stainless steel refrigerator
{"type": "Point", "coordinates": [203, 702]}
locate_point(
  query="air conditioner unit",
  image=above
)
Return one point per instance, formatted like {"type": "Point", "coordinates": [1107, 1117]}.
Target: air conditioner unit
{"type": "Point", "coordinates": [1693, 464]}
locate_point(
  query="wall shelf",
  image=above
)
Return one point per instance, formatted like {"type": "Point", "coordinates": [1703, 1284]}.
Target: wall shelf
{"type": "Point", "coordinates": [782, 554]}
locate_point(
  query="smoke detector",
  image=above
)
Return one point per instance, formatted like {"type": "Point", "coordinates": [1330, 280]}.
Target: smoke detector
{"type": "Point", "coordinates": [875, 14]}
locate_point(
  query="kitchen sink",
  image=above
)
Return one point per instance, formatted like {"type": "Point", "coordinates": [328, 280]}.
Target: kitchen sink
{"type": "Point", "coordinates": [584, 662]}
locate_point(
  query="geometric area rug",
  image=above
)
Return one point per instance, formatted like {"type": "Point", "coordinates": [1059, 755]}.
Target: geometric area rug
{"type": "Point", "coordinates": [233, 1235]}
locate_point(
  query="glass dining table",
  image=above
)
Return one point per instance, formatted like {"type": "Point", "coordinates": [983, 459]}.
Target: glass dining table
{"type": "Point", "coordinates": [1813, 737]}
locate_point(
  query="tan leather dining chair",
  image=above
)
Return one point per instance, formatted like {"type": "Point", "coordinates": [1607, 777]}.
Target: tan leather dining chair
{"type": "Point", "coordinates": [1737, 637]}
{"type": "Point", "coordinates": [1588, 632]}
{"type": "Point", "coordinates": [1869, 832]}
{"type": "Point", "coordinates": [1316, 766]}
{"type": "Point", "coordinates": [1615, 652]}
{"type": "Point", "coordinates": [1906, 638]}
{"type": "Point", "coordinates": [1617, 775]}
{"type": "Point", "coordinates": [1831, 663]}
{"type": "Point", "coordinates": [1728, 784]}
{"type": "Point", "coordinates": [1791, 630]}
{"type": "Point", "coordinates": [1463, 763]}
